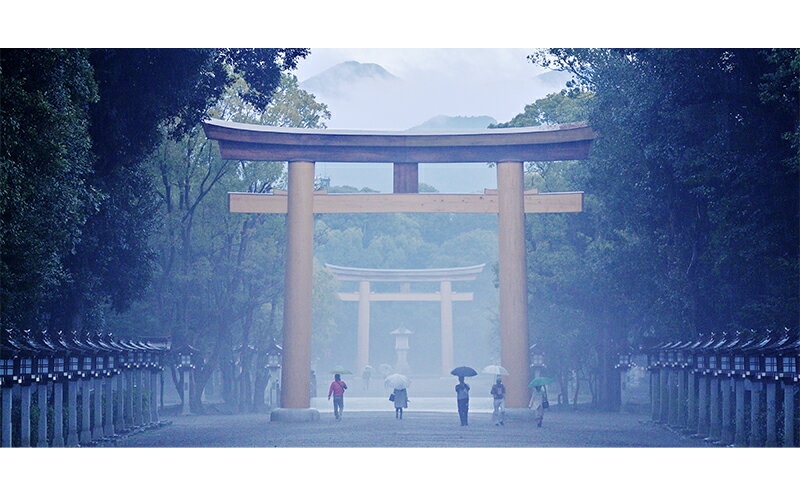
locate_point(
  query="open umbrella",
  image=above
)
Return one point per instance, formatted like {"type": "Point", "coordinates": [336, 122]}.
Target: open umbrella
{"type": "Point", "coordinates": [538, 382]}
{"type": "Point", "coordinates": [495, 369]}
{"type": "Point", "coordinates": [463, 371]}
{"type": "Point", "coordinates": [341, 371]}
{"type": "Point", "coordinates": [397, 381]}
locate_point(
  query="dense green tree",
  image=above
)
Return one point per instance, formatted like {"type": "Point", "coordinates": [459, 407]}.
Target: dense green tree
{"type": "Point", "coordinates": [45, 163]}
{"type": "Point", "coordinates": [96, 114]}
{"type": "Point", "coordinates": [691, 219]}
{"type": "Point", "coordinates": [218, 283]}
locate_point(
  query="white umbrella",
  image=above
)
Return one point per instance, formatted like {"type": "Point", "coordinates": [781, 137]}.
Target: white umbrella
{"type": "Point", "coordinates": [397, 381]}
{"type": "Point", "coordinates": [495, 369]}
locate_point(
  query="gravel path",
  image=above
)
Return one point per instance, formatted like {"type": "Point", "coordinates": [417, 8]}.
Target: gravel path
{"type": "Point", "coordinates": [416, 429]}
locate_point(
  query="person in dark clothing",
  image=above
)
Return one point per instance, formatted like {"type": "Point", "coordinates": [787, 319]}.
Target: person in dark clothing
{"type": "Point", "coordinates": [499, 394]}
{"type": "Point", "coordinates": [462, 396]}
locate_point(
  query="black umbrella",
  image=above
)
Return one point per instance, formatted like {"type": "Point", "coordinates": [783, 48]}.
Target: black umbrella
{"type": "Point", "coordinates": [464, 371]}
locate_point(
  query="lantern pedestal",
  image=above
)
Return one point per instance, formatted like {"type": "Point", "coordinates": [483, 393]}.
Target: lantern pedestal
{"type": "Point", "coordinates": [756, 415]}
{"type": "Point", "coordinates": [58, 414]}
{"type": "Point", "coordinates": [86, 431]}
{"type": "Point", "coordinates": [186, 393]}
{"type": "Point", "coordinates": [5, 441]}
{"type": "Point", "coordinates": [789, 392]}
{"type": "Point", "coordinates": [97, 426]}
{"type": "Point", "coordinates": [72, 413]}
{"type": "Point", "coordinates": [655, 395]}
{"type": "Point", "coordinates": [287, 415]}
{"type": "Point", "coordinates": [772, 416]}
{"type": "Point", "coordinates": [691, 401]}
{"type": "Point", "coordinates": [108, 416]}
{"type": "Point", "coordinates": [740, 439]}
{"type": "Point", "coordinates": [154, 396]}
{"type": "Point", "coordinates": [664, 395]}
{"type": "Point", "coordinates": [41, 402]}
{"type": "Point", "coordinates": [727, 385]}
{"type": "Point", "coordinates": [25, 416]}
{"type": "Point", "coordinates": [702, 407]}
{"type": "Point", "coordinates": [714, 410]}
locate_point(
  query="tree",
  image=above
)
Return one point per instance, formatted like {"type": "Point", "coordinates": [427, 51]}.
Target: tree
{"type": "Point", "coordinates": [218, 283]}
{"type": "Point", "coordinates": [45, 164]}
{"type": "Point", "coordinates": [691, 222]}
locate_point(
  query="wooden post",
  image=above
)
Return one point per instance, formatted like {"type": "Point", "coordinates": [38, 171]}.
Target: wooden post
{"type": "Point", "coordinates": [406, 178]}
{"type": "Point", "coordinates": [513, 282]}
{"type": "Point", "coordinates": [119, 417]}
{"type": "Point", "coordinates": [298, 285]}
{"type": "Point", "coordinates": [363, 324]}
{"type": "Point", "coordinates": [41, 402]}
{"type": "Point", "coordinates": [446, 312]}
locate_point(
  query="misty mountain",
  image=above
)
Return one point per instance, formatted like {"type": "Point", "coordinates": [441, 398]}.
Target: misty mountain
{"type": "Point", "coordinates": [449, 123]}
{"type": "Point", "coordinates": [554, 79]}
{"type": "Point", "coordinates": [342, 78]}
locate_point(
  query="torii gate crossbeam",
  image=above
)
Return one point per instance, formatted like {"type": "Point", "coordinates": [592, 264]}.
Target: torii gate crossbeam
{"type": "Point", "coordinates": [509, 148]}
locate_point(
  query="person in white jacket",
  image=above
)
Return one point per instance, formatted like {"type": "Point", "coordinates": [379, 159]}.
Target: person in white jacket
{"type": "Point", "coordinates": [538, 397]}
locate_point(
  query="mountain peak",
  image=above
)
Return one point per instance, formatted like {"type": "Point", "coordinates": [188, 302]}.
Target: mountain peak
{"type": "Point", "coordinates": [339, 79]}
{"type": "Point", "coordinates": [455, 123]}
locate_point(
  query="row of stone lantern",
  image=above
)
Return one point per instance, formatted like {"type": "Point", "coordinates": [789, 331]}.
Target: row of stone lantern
{"type": "Point", "coordinates": [730, 389]}
{"type": "Point", "coordinates": [112, 378]}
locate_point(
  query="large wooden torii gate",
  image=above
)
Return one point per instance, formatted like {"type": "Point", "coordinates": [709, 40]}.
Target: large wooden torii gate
{"type": "Point", "coordinates": [445, 297]}
{"type": "Point", "coordinates": [509, 148]}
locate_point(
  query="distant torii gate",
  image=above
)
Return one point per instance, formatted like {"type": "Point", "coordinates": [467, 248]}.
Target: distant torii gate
{"type": "Point", "coordinates": [509, 148]}
{"type": "Point", "coordinates": [446, 297]}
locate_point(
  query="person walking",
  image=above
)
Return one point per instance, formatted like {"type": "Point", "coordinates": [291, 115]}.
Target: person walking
{"type": "Point", "coordinates": [499, 394]}
{"type": "Point", "coordinates": [400, 401]}
{"type": "Point", "coordinates": [538, 399]}
{"type": "Point", "coordinates": [337, 389]}
{"type": "Point", "coordinates": [462, 396]}
{"type": "Point", "coordinates": [365, 376]}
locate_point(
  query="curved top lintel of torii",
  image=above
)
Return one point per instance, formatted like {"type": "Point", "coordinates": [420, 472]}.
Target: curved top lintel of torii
{"type": "Point", "coordinates": [405, 275]}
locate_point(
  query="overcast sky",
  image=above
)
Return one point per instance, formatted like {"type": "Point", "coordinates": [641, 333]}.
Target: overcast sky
{"type": "Point", "coordinates": [469, 82]}
{"type": "Point", "coordinates": [455, 82]}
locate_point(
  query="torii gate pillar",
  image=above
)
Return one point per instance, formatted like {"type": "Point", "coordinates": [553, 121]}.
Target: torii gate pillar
{"type": "Point", "coordinates": [296, 374]}
{"type": "Point", "coordinates": [513, 282]}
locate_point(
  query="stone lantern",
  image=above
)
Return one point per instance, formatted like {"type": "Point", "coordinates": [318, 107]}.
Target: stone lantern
{"type": "Point", "coordinates": [536, 357]}
{"type": "Point", "coordinates": [274, 357]}
{"type": "Point", "coordinates": [401, 348]}
{"type": "Point", "coordinates": [186, 355]}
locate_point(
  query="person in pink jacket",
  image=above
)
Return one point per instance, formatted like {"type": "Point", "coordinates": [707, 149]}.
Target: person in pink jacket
{"type": "Point", "coordinates": [337, 389]}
